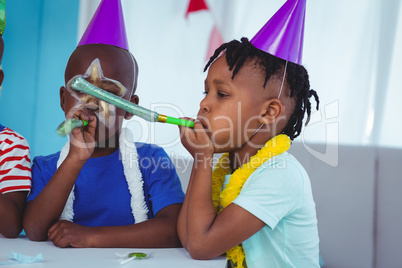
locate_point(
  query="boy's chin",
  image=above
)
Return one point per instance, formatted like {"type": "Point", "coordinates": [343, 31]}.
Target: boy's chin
{"type": "Point", "coordinates": [106, 140]}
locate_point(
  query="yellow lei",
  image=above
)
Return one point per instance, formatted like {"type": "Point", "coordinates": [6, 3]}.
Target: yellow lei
{"type": "Point", "coordinates": [222, 198]}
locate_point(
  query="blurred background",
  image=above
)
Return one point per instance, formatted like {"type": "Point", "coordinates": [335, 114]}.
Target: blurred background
{"type": "Point", "coordinates": [351, 148]}
{"type": "Point", "coordinates": [350, 51]}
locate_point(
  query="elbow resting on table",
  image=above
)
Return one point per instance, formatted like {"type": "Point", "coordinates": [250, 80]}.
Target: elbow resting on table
{"type": "Point", "coordinates": [33, 234]}
{"type": "Point", "coordinates": [201, 251]}
{"type": "Point", "coordinates": [13, 233]}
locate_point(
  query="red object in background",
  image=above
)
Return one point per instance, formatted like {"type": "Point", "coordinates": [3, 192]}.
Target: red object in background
{"type": "Point", "coordinates": [215, 40]}
{"type": "Point", "coordinates": [196, 5]}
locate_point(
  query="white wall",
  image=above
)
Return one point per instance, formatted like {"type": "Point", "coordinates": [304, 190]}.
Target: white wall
{"type": "Point", "coordinates": [350, 51]}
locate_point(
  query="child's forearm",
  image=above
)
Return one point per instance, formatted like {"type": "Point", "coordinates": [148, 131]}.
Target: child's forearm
{"type": "Point", "coordinates": [201, 213]}
{"type": "Point", "coordinates": [11, 209]}
{"type": "Point", "coordinates": [209, 234]}
{"type": "Point", "coordinates": [159, 232]}
{"type": "Point", "coordinates": [46, 208]}
{"type": "Point", "coordinates": [182, 221]}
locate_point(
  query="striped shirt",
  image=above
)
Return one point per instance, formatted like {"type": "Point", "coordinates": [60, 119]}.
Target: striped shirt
{"type": "Point", "coordinates": [15, 162]}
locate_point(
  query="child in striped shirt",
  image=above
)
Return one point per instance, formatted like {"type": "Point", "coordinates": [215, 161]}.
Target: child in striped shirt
{"type": "Point", "coordinates": [15, 179]}
{"type": "Point", "coordinates": [15, 167]}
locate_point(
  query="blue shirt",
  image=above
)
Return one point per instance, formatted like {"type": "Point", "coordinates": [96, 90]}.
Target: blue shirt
{"type": "Point", "coordinates": [102, 197]}
{"type": "Point", "coordinates": [279, 194]}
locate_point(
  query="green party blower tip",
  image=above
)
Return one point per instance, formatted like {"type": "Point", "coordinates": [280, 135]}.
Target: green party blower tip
{"type": "Point", "coordinates": [67, 126]}
{"type": "Point", "coordinates": [180, 122]}
{"type": "Point", "coordinates": [84, 86]}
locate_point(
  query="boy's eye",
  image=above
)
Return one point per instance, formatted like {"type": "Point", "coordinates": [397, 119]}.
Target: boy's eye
{"type": "Point", "coordinates": [205, 92]}
{"type": "Point", "coordinates": [222, 94]}
{"type": "Point", "coordinates": [79, 94]}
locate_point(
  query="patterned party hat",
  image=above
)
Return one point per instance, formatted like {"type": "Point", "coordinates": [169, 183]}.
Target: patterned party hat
{"type": "Point", "coordinates": [2, 16]}
{"type": "Point", "coordinates": [282, 35]}
{"type": "Point", "coordinates": [107, 26]}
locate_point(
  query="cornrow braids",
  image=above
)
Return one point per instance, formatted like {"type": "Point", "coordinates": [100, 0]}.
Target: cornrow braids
{"type": "Point", "coordinates": [237, 53]}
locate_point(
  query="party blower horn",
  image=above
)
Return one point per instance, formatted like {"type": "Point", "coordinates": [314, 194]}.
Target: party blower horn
{"type": "Point", "coordinates": [82, 85]}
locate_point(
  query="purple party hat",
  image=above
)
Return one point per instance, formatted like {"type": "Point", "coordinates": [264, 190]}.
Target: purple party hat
{"type": "Point", "coordinates": [282, 35]}
{"type": "Point", "coordinates": [107, 26]}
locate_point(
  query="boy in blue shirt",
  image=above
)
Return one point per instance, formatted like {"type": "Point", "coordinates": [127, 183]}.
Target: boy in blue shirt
{"type": "Point", "coordinates": [103, 190]}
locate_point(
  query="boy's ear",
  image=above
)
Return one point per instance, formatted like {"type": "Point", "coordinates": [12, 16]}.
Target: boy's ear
{"type": "Point", "coordinates": [134, 99]}
{"type": "Point", "coordinates": [62, 97]}
{"type": "Point", "coordinates": [272, 111]}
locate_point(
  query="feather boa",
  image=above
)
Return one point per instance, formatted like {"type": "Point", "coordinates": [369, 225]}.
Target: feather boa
{"type": "Point", "coordinates": [222, 198]}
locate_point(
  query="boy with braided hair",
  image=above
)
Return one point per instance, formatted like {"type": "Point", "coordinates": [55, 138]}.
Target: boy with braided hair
{"type": "Point", "coordinates": [260, 210]}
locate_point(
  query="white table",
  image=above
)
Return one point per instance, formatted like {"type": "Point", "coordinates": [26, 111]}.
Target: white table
{"type": "Point", "coordinates": [99, 257]}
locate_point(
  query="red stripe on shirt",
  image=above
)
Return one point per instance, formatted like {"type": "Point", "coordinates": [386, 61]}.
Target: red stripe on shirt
{"type": "Point", "coordinates": [15, 158]}
{"type": "Point", "coordinates": [16, 188]}
{"type": "Point", "coordinates": [9, 142]}
{"type": "Point", "coordinates": [9, 132]}
{"type": "Point", "coordinates": [18, 146]}
{"type": "Point", "coordinates": [19, 166]}
{"type": "Point", "coordinates": [15, 178]}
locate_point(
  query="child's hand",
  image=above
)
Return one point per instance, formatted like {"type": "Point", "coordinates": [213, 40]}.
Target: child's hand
{"type": "Point", "coordinates": [65, 233]}
{"type": "Point", "coordinates": [196, 140]}
{"type": "Point", "coordinates": [82, 140]}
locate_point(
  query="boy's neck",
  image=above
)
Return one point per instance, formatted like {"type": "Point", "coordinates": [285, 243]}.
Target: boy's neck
{"type": "Point", "coordinates": [243, 154]}
{"type": "Point", "coordinates": [106, 147]}
{"type": "Point", "coordinates": [100, 152]}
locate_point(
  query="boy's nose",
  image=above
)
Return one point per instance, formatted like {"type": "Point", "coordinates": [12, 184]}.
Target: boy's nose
{"type": "Point", "coordinates": [204, 106]}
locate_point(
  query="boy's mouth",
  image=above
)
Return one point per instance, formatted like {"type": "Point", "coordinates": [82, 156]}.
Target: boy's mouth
{"type": "Point", "coordinates": [205, 124]}
{"type": "Point", "coordinates": [104, 111]}
{"type": "Point", "coordinates": [105, 117]}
